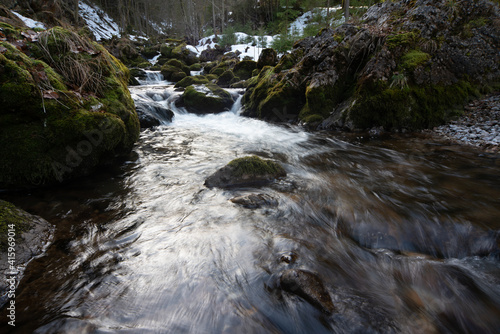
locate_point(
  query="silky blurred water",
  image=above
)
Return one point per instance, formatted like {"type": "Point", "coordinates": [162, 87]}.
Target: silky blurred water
{"type": "Point", "coordinates": [403, 232]}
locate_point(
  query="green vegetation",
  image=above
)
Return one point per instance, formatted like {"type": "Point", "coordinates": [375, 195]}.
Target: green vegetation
{"type": "Point", "coordinates": [189, 81]}
{"type": "Point", "coordinates": [413, 59]}
{"type": "Point", "coordinates": [255, 166]}
{"type": "Point", "coordinates": [10, 215]}
{"type": "Point", "coordinates": [206, 98]}
{"type": "Point", "coordinates": [50, 104]}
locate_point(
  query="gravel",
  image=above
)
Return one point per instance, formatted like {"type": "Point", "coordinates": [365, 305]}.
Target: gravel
{"type": "Point", "coordinates": [479, 126]}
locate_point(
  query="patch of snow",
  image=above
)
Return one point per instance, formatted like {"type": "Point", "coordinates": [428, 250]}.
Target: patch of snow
{"type": "Point", "coordinates": [135, 38]}
{"type": "Point", "coordinates": [98, 21]}
{"type": "Point", "coordinates": [246, 49]}
{"type": "Point", "coordinates": [297, 26]}
{"type": "Point", "coordinates": [29, 22]}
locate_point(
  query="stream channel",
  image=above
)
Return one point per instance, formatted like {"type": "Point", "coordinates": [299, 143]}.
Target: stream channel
{"type": "Point", "coordinates": [402, 231]}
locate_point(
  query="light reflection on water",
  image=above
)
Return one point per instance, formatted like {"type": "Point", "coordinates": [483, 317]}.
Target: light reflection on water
{"type": "Point", "coordinates": [403, 233]}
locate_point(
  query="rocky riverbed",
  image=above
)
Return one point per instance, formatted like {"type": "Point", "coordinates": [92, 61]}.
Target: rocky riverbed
{"type": "Point", "coordinates": [479, 126]}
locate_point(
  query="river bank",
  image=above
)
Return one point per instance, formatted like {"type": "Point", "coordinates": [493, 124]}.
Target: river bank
{"type": "Point", "coordinates": [479, 126]}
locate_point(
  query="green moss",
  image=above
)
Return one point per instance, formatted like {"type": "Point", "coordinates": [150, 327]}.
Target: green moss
{"type": "Point", "coordinates": [311, 119]}
{"type": "Point", "coordinates": [413, 59]}
{"type": "Point", "coordinates": [402, 40]}
{"type": "Point", "coordinates": [413, 107]}
{"type": "Point", "coordinates": [208, 98]}
{"type": "Point", "coordinates": [10, 215]}
{"type": "Point", "coordinates": [166, 50]}
{"type": "Point", "coordinates": [175, 63]}
{"type": "Point", "coordinates": [36, 133]}
{"type": "Point", "coordinates": [225, 78]}
{"type": "Point", "coordinates": [172, 73]}
{"type": "Point", "coordinates": [211, 77]}
{"type": "Point", "coordinates": [145, 64]}
{"type": "Point", "coordinates": [244, 69]}
{"type": "Point", "coordinates": [218, 71]}
{"type": "Point", "coordinates": [188, 81]}
{"type": "Point", "coordinates": [195, 67]}
{"type": "Point", "coordinates": [320, 100]}
{"type": "Point", "coordinates": [255, 166]}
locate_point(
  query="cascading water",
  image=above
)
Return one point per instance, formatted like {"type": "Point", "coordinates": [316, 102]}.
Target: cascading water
{"type": "Point", "coordinates": [403, 234]}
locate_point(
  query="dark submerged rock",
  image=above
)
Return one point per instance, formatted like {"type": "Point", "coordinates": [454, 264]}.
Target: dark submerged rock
{"type": "Point", "coordinates": [32, 235]}
{"type": "Point", "coordinates": [247, 171]}
{"type": "Point", "coordinates": [308, 286]}
{"type": "Point", "coordinates": [255, 201]}
{"type": "Point", "coordinates": [152, 114]}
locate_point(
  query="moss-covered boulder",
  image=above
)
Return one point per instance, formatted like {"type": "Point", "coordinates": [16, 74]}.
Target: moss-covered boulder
{"type": "Point", "coordinates": [195, 67]}
{"type": "Point", "coordinates": [205, 99]}
{"type": "Point", "coordinates": [187, 56]}
{"type": "Point", "coordinates": [246, 171]}
{"type": "Point", "coordinates": [31, 235]}
{"type": "Point", "coordinates": [172, 73]}
{"type": "Point", "coordinates": [63, 114]}
{"type": "Point", "coordinates": [274, 96]}
{"type": "Point", "coordinates": [244, 69]}
{"type": "Point", "coordinates": [226, 79]}
{"type": "Point", "coordinates": [189, 81]}
{"type": "Point", "coordinates": [268, 57]}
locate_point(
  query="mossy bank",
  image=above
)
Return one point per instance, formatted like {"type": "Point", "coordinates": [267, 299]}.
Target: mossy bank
{"type": "Point", "coordinates": [66, 108]}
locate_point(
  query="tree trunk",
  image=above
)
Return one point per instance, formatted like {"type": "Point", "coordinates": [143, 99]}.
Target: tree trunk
{"type": "Point", "coordinates": [213, 18]}
{"type": "Point", "coordinates": [346, 10]}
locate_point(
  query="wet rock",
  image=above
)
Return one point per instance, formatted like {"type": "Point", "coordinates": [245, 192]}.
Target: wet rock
{"type": "Point", "coordinates": [255, 201]}
{"type": "Point", "coordinates": [308, 286]}
{"type": "Point", "coordinates": [247, 171]}
{"type": "Point", "coordinates": [152, 114]}
{"type": "Point", "coordinates": [31, 234]}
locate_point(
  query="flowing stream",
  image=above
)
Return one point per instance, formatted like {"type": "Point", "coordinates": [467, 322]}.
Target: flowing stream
{"type": "Point", "coordinates": [402, 231]}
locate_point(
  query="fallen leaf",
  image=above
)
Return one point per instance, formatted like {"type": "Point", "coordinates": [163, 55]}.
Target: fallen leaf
{"type": "Point", "coordinates": [2, 37]}
{"type": "Point", "coordinates": [50, 94]}
{"type": "Point", "coordinates": [3, 49]}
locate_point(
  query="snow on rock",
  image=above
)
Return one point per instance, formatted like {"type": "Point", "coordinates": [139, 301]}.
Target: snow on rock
{"type": "Point", "coordinates": [297, 26]}
{"type": "Point", "coordinates": [29, 22]}
{"type": "Point", "coordinates": [98, 21]}
{"type": "Point", "coordinates": [247, 45]}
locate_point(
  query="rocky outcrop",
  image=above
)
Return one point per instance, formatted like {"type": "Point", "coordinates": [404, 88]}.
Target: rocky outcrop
{"type": "Point", "coordinates": [247, 171]}
{"type": "Point", "coordinates": [410, 65]}
{"type": "Point", "coordinates": [65, 107]}
{"type": "Point", "coordinates": [29, 236]}
{"type": "Point", "coordinates": [205, 99]}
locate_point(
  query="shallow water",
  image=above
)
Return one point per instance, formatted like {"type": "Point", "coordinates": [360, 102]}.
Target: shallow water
{"type": "Point", "coordinates": [402, 231]}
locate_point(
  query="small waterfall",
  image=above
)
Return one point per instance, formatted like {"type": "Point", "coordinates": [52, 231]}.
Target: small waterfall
{"type": "Point", "coordinates": [237, 107]}
{"type": "Point", "coordinates": [152, 78]}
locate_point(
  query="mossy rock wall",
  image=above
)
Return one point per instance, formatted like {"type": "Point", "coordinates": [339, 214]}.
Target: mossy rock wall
{"type": "Point", "coordinates": [410, 65]}
{"type": "Point", "coordinates": [54, 126]}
